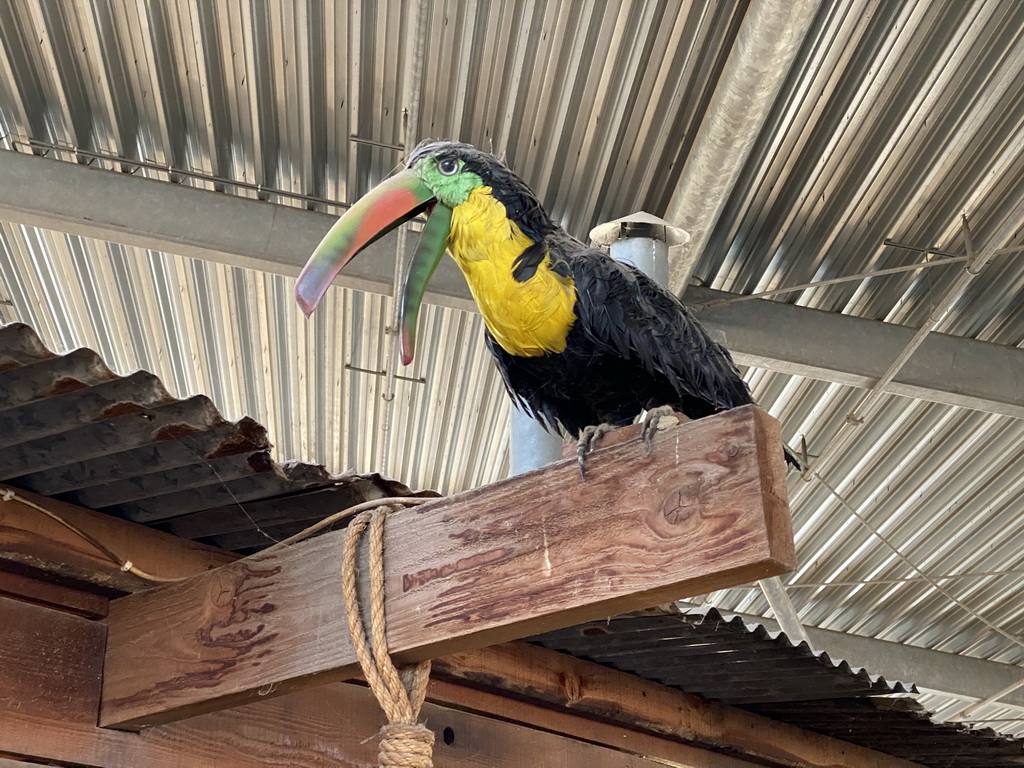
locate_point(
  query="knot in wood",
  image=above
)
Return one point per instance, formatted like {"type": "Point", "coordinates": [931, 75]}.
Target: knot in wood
{"type": "Point", "coordinates": [687, 499]}
{"type": "Point", "coordinates": [406, 746]}
{"type": "Point", "coordinates": [572, 687]}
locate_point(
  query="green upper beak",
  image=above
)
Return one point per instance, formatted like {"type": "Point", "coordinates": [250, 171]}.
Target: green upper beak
{"type": "Point", "coordinates": [383, 208]}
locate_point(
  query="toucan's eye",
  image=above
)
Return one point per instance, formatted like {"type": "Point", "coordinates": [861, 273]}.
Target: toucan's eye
{"type": "Point", "coordinates": [448, 166]}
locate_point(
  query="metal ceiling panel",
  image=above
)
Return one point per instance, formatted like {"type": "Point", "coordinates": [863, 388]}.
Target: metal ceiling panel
{"type": "Point", "coordinates": [895, 119]}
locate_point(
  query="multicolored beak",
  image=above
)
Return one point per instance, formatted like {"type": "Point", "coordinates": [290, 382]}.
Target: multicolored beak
{"type": "Point", "coordinates": [428, 255]}
{"type": "Point", "coordinates": [389, 204]}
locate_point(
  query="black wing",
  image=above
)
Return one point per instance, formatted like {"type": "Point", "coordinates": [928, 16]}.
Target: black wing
{"type": "Point", "coordinates": [625, 313]}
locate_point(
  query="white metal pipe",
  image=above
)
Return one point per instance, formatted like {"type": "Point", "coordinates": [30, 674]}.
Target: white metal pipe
{"type": "Point", "coordinates": [966, 712]}
{"type": "Point", "coordinates": [530, 445]}
{"type": "Point", "coordinates": [784, 610]}
{"type": "Point", "coordinates": [647, 254]}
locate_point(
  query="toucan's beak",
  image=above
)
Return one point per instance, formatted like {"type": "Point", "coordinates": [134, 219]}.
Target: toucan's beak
{"type": "Point", "coordinates": [383, 208]}
{"type": "Point", "coordinates": [428, 255]}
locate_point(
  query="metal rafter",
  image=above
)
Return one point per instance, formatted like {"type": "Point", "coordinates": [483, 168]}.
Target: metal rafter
{"type": "Point", "coordinates": [218, 227]}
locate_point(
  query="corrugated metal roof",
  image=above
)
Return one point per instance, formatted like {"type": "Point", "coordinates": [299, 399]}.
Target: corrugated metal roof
{"type": "Point", "coordinates": [316, 385]}
{"type": "Point", "coordinates": [746, 665]}
{"type": "Point", "coordinates": [72, 429]}
{"type": "Point", "coordinates": [718, 658]}
{"type": "Point", "coordinates": [904, 728]}
{"type": "Point", "coordinates": [896, 118]}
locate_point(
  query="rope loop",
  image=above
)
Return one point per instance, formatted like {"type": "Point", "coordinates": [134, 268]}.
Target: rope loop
{"type": "Point", "coordinates": [404, 743]}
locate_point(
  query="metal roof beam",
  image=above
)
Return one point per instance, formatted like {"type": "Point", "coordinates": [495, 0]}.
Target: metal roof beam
{"type": "Point", "coordinates": [199, 223]}
{"type": "Point", "coordinates": [275, 238]}
{"type": "Point", "coordinates": [857, 352]}
{"type": "Point", "coordinates": [766, 47]}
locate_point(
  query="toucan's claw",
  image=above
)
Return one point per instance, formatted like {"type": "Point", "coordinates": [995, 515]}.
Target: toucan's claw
{"type": "Point", "coordinates": [651, 421]}
{"type": "Point", "coordinates": [589, 438]}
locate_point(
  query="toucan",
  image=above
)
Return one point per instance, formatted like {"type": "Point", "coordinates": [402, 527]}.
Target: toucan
{"type": "Point", "coordinates": [581, 340]}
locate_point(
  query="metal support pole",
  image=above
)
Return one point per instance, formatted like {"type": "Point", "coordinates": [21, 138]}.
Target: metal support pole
{"type": "Point", "coordinates": [530, 445]}
{"type": "Point", "coordinates": [784, 610]}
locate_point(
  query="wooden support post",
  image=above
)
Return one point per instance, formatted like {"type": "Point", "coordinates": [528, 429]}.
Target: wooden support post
{"type": "Point", "coordinates": [705, 510]}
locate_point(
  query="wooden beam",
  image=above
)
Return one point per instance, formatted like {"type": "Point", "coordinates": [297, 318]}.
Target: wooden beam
{"type": "Point", "coordinates": [528, 672]}
{"type": "Point", "coordinates": [52, 664]}
{"type": "Point", "coordinates": [48, 713]}
{"type": "Point", "coordinates": [704, 511]}
{"type": "Point", "coordinates": [33, 590]}
{"type": "Point", "coordinates": [328, 727]}
{"type": "Point", "coordinates": [31, 540]}
{"type": "Point", "coordinates": [630, 741]}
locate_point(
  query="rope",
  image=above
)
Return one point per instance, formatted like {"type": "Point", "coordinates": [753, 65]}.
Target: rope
{"type": "Point", "coordinates": [305, 533]}
{"type": "Point", "coordinates": [404, 743]}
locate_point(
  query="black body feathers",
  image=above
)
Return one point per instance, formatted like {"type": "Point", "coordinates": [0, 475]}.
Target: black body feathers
{"type": "Point", "coordinates": [634, 346]}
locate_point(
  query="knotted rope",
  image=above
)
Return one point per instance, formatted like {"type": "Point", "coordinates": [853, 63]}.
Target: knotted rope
{"type": "Point", "coordinates": [404, 743]}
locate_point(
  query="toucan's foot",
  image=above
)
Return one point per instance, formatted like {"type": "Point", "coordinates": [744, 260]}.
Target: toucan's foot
{"type": "Point", "coordinates": [589, 438]}
{"type": "Point", "coordinates": [651, 421]}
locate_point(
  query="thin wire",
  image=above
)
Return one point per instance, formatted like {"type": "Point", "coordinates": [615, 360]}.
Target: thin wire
{"type": "Point", "coordinates": [834, 281]}
{"type": "Point", "coordinates": [1019, 642]}
{"type": "Point", "coordinates": [948, 258]}
{"type": "Point", "coordinates": [209, 465]}
{"type": "Point", "coordinates": [9, 494]}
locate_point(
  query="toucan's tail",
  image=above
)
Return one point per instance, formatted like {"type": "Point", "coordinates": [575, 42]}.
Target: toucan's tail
{"type": "Point", "coordinates": [792, 460]}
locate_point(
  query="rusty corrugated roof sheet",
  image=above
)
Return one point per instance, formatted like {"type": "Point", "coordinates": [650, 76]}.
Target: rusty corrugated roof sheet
{"type": "Point", "coordinates": [72, 429]}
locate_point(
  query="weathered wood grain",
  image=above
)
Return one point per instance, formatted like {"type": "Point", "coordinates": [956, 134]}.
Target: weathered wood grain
{"type": "Point", "coordinates": [50, 662]}
{"type": "Point", "coordinates": [705, 510]}
{"type": "Point", "coordinates": [329, 727]}
{"type": "Point", "coordinates": [519, 671]}
{"type": "Point", "coordinates": [36, 643]}
{"type": "Point", "coordinates": [664, 751]}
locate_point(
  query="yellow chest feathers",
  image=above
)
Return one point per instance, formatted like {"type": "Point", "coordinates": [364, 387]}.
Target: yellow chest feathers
{"type": "Point", "coordinates": [529, 318]}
